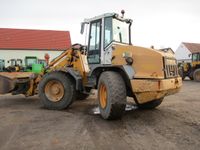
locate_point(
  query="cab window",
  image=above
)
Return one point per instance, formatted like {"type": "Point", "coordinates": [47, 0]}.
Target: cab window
{"type": "Point", "coordinates": [108, 31]}
{"type": "Point", "coordinates": [195, 57]}
{"type": "Point", "coordinates": [94, 42]}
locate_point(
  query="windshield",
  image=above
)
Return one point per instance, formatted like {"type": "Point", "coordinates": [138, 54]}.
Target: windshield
{"type": "Point", "coordinates": [120, 31]}
{"type": "Point", "coordinates": [196, 57]}
{"type": "Point", "coordinates": [116, 30]}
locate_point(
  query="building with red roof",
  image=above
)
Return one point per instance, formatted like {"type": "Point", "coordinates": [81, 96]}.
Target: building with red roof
{"type": "Point", "coordinates": [185, 49]}
{"type": "Point", "coordinates": [18, 43]}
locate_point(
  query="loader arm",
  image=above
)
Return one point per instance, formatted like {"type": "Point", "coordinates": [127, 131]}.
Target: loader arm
{"type": "Point", "coordinates": [73, 57]}
{"type": "Point", "coordinates": [62, 60]}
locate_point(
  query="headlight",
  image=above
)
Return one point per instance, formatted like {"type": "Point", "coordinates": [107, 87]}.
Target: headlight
{"type": "Point", "coordinates": [128, 57]}
{"type": "Point", "coordinates": [129, 60]}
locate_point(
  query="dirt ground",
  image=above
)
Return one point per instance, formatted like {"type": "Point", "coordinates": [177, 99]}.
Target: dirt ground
{"type": "Point", "coordinates": [175, 124]}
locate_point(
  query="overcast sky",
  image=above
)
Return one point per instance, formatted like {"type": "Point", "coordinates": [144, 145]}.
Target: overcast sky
{"type": "Point", "coordinates": [162, 23]}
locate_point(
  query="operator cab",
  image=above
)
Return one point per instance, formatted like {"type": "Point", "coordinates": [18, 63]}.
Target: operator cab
{"type": "Point", "coordinates": [104, 30]}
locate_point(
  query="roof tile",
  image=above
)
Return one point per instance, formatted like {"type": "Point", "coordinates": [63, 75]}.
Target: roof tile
{"type": "Point", "coordinates": [34, 39]}
{"type": "Point", "coordinates": [192, 47]}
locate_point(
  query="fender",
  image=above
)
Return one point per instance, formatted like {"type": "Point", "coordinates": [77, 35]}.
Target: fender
{"type": "Point", "coordinates": [76, 76]}
{"type": "Point", "coordinates": [126, 71]}
{"type": "Point", "coordinates": [129, 70]}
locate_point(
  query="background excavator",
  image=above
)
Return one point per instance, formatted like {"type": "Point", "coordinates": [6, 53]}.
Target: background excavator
{"type": "Point", "coordinates": [109, 63]}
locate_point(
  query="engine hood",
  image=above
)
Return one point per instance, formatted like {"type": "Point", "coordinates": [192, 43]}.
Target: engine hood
{"type": "Point", "coordinates": [147, 62]}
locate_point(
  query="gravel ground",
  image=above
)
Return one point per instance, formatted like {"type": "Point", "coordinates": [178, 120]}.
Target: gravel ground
{"type": "Point", "coordinates": [175, 124]}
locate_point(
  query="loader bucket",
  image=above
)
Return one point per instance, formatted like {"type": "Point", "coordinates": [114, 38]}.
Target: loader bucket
{"type": "Point", "coordinates": [9, 81]}
{"type": "Point", "coordinates": [6, 85]}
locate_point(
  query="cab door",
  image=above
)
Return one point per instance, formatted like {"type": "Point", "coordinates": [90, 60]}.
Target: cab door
{"type": "Point", "coordinates": [94, 46]}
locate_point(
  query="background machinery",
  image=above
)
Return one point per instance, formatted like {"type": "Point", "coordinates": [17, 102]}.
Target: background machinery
{"type": "Point", "coordinates": [15, 65]}
{"type": "Point", "coordinates": [2, 65]}
{"type": "Point", "coordinates": [29, 61]}
{"type": "Point", "coordinates": [33, 64]}
{"type": "Point", "coordinates": [191, 69]}
{"type": "Point", "coordinates": [110, 64]}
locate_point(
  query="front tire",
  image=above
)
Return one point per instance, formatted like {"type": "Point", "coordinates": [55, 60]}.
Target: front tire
{"type": "Point", "coordinates": [57, 91]}
{"type": "Point", "coordinates": [111, 95]}
{"type": "Point", "coordinates": [150, 105]}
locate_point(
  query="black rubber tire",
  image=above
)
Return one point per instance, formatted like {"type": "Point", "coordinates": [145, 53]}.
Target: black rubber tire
{"type": "Point", "coordinates": [69, 91]}
{"type": "Point", "coordinates": [81, 96]}
{"type": "Point", "coordinates": [196, 78]}
{"type": "Point", "coordinates": [150, 105]}
{"type": "Point", "coordinates": [181, 73]}
{"type": "Point", "coordinates": [191, 76]}
{"type": "Point", "coordinates": [116, 95]}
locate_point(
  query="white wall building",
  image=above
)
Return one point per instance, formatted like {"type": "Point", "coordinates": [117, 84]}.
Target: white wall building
{"type": "Point", "coordinates": [19, 43]}
{"type": "Point", "coordinates": [21, 54]}
{"type": "Point", "coordinates": [184, 51]}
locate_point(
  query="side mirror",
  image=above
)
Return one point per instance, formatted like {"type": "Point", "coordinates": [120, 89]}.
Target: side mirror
{"type": "Point", "coordinates": [189, 55]}
{"type": "Point", "coordinates": [82, 27]}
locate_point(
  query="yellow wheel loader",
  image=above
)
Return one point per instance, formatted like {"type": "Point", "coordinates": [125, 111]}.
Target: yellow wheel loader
{"type": "Point", "coordinates": [191, 69]}
{"type": "Point", "coordinates": [110, 64]}
{"type": "Point", "coordinates": [15, 65]}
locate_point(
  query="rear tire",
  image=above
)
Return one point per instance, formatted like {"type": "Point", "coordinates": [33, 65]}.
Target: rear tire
{"type": "Point", "coordinates": [57, 91]}
{"type": "Point", "coordinates": [191, 76]}
{"type": "Point", "coordinates": [151, 105]}
{"type": "Point", "coordinates": [181, 73]}
{"type": "Point", "coordinates": [111, 95]}
{"type": "Point", "coordinates": [83, 96]}
{"type": "Point", "coordinates": [196, 75]}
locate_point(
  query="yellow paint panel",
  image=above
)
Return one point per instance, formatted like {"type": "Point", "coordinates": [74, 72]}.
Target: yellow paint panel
{"type": "Point", "coordinates": [148, 63]}
{"type": "Point", "coordinates": [194, 63]}
{"type": "Point", "coordinates": [148, 90]}
{"type": "Point", "coordinates": [155, 85]}
{"type": "Point", "coordinates": [80, 64]}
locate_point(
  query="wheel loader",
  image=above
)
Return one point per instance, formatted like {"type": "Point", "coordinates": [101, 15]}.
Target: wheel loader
{"type": "Point", "coordinates": [191, 69]}
{"type": "Point", "coordinates": [15, 65]}
{"type": "Point", "coordinates": [109, 63]}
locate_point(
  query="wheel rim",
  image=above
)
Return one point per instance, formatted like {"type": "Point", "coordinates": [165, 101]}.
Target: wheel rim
{"type": "Point", "coordinates": [103, 96]}
{"type": "Point", "coordinates": [197, 76]}
{"type": "Point", "coordinates": [54, 90]}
